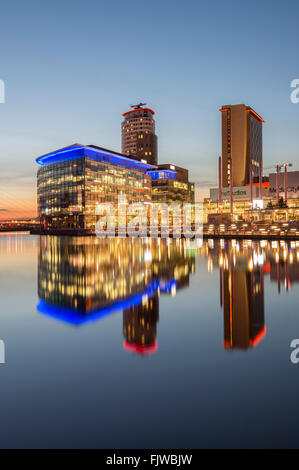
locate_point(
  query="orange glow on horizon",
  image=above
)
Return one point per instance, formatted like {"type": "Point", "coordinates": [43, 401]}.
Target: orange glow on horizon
{"type": "Point", "coordinates": [17, 206]}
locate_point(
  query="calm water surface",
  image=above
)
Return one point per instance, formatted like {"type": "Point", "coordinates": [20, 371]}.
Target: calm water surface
{"type": "Point", "coordinates": [148, 343]}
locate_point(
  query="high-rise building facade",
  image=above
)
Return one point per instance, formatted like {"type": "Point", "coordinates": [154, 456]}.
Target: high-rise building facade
{"type": "Point", "coordinates": [138, 138]}
{"type": "Point", "coordinates": [242, 144]}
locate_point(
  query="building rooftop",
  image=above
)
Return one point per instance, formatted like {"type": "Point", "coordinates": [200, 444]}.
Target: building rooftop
{"type": "Point", "coordinates": [94, 152]}
{"type": "Point", "coordinates": [248, 109]}
{"type": "Point", "coordinates": [138, 109]}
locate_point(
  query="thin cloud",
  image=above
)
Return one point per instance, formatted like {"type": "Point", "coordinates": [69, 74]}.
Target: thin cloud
{"type": "Point", "coordinates": [204, 183]}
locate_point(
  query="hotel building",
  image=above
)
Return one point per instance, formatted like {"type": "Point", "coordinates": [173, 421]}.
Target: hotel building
{"type": "Point", "coordinates": [241, 184]}
{"type": "Point", "coordinates": [138, 138]}
{"type": "Point", "coordinates": [73, 180]}
{"type": "Point", "coordinates": [242, 144]}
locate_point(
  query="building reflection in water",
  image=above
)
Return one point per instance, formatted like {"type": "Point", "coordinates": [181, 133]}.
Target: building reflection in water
{"type": "Point", "coordinates": [241, 275]}
{"type": "Point", "coordinates": [284, 264]}
{"type": "Point", "coordinates": [243, 307]}
{"type": "Point", "coordinates": [140, 326]}
{"type": "Point", "coordinates": [85, 279]}
{"type": "Point", "coordinates": [243, 266]}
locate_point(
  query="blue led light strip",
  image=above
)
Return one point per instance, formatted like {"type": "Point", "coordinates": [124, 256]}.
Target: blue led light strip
{"type": "Point", "coordinates": [79, 317]}
{"type": "Point", "coordinates": [72, 153]}
{"type": "Point", "coordinates": [156, 174]}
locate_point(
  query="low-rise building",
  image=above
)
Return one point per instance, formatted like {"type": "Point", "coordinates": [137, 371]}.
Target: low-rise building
{"type": "Point", "coordinates": [170, 183]}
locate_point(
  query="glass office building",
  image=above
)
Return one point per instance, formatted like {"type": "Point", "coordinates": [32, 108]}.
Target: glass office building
{"type": "Point", "coordinates": [73, 180]}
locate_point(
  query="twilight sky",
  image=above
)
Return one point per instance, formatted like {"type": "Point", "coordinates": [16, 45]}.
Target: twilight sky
{"type": "Point", "coordinates": [72, 67]}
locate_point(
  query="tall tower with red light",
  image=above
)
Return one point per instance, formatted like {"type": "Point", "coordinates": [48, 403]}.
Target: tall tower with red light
{"type": "Point", "coordinates": [138, 138]}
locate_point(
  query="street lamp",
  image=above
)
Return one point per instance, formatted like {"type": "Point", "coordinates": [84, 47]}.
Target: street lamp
{"type": "Point", "coordinates": [285, 165]}
{"type": "Point", "coordinates": [278, 168]}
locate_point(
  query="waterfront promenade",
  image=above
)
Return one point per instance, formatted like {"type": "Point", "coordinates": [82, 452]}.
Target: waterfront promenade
{"type": "Point", "coordinates": [283, 231]}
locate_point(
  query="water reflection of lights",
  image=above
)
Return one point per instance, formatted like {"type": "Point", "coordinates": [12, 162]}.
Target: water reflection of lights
{"type": "Point", "coordinates": [111, 275]}
{"type": "Point", "coordinates": [194, 244]}
{"type": "Point", "coordinates": [147, 256]}
{"type": "Point", "coordinates": [221, 260]}
{"type": "Point", "coordinates": [258, 259]}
